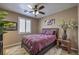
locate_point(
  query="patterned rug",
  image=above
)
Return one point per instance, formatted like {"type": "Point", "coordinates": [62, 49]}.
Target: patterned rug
{"type": "Point", "coordinates": [17, 50]}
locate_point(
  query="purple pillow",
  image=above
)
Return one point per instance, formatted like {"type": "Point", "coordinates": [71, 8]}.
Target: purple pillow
{"type": "Point", "coordinates": [43, 31]}
{"type": "Point", "coordinates": [54, 33]}
{"type": "Point", "coordinates": [50, 33]}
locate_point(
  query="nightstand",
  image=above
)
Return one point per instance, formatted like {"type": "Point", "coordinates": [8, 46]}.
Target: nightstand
{"type": "Point", "coordinates": [64, 44]}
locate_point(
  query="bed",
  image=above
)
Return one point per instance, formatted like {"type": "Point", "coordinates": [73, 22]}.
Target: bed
{"type": "Point", "coordinates": [39, 43]}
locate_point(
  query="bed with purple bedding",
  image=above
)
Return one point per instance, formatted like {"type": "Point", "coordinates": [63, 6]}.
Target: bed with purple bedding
{"type": "Point", "coordinates": [36, 42]}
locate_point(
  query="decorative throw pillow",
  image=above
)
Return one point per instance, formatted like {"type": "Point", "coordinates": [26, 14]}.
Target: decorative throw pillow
{"type": "Point", "coordinates": [43, 31]}
{"type": "Point", "coordinates": [54, 32]}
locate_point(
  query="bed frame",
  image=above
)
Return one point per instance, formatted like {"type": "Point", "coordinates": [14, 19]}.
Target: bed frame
{"type": "Point", "coordinates": [45, 49]}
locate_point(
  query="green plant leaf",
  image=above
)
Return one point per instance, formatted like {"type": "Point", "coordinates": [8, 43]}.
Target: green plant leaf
{"type": "Point", "coordinates": [3, 14]}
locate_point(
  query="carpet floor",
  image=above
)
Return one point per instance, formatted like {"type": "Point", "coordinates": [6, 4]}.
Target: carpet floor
{"type": "Point", "coordinates": [17, 50]}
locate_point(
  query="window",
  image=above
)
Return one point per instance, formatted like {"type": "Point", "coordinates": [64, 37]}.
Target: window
{"type": "Point", "coordinates": [28, 26]}
{"type": "Point", "coordinates": [21, 25]}
{"type": "Point", "coordinates": [24, 25]}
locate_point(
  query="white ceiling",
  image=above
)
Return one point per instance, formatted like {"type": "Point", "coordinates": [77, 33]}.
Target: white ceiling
{"type": "Point", "coordinates": [49, 9]}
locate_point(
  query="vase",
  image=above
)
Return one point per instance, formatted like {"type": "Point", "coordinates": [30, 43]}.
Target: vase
{"type": "Point", "coordinates": [64, 36]}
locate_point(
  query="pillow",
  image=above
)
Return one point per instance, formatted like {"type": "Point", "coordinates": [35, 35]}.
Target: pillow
{"type": "Point", "coordinates": [43, 31]}
{"type": "Point", "coordinates": [50, 32]}
{"type": "Point", "coordinates": [47, 33]}
{"type": "Point", "coordinates": [54, 32]}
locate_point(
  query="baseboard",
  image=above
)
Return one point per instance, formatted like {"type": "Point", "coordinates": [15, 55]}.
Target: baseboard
{"type": "Point", "coordinates": [8, 46]}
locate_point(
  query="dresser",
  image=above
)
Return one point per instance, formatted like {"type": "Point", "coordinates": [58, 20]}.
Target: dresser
{"type": "Point", "coordinates": [1, 44]}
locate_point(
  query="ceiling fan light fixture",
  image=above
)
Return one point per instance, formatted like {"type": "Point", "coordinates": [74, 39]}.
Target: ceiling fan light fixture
{"type": "Point", "coordinates": [37, 13]}
{"type": "Point", "coordinates": [36, 9]}
{"type": "Point", "coordinates": [33, 12]}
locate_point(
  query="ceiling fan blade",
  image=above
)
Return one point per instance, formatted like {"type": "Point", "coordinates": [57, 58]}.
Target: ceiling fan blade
{"type": "Point", "coordinates": [41, 12]}
{"type": "Point", "coordinates": [41, 7]}
{"type": "Point", "coordinates": [25, 11]}
{"type": "Point", "coordinates": [30, 11]}
{"type": "Point", "coordinates": [29, 6]}
{"type": "Point", "coordinates": [36, 6]}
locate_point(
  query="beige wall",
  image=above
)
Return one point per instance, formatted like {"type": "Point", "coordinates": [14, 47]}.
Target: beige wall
{"type": "Point", "coordinates": [12, 37]}
{"type": "Point", "coordinates": [78, 28]}
{"type": "Point", "coordinates": [67, 15]}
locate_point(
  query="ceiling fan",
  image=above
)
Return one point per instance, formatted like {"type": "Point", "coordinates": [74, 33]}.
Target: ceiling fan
{"type": "Point", "coordinates": [36, 9]}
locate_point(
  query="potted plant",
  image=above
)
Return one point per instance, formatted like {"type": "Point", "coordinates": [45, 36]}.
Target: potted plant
{"type": "Point", "coordinates": [3, 14]}
{"type": "Point", "coordinates": [65, 26]}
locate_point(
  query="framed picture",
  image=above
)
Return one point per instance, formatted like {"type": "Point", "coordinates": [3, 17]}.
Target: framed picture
{"type": "Point", "coordinates": [50, 22]}
{"type": "Point", "coordinates": [10, 26]}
